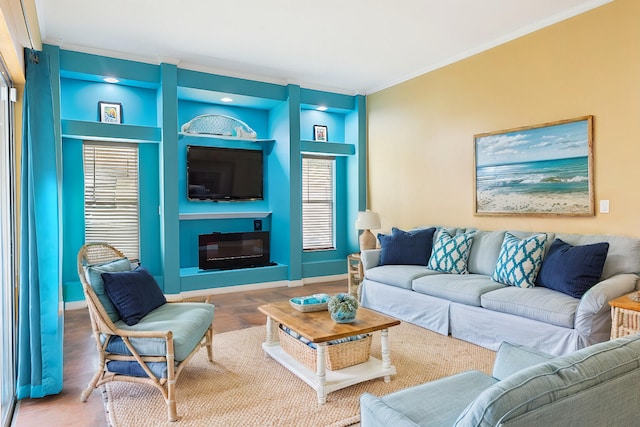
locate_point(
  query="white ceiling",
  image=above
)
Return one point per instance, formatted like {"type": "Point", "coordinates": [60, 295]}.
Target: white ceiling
{"type": "Point", "coordinates": [348, 46]}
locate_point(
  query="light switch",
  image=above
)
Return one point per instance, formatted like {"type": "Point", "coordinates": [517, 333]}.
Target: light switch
{"type": "Point", "coordinates": [604, 206]}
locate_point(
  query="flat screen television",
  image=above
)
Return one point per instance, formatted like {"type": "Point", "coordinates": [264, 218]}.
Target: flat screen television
{"type": "Point", "coordinates": [232, 174]}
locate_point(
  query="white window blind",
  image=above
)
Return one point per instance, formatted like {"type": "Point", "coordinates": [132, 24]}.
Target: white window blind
{"type": "Point", "coordinates": [111, 211]}
{"type": "Point", "coordinates": [318, 192]}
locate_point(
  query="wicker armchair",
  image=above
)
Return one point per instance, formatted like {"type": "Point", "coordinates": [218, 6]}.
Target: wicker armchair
{"type": "Point", "coordinates": [138, 353]}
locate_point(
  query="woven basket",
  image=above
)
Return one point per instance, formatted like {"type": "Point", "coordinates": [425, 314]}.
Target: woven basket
{"type": "Point", "coordinates": [338, 356]}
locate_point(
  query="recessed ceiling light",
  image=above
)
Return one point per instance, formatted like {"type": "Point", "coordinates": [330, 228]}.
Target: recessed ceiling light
{"type": "Point", "coordinates": [226, 99]}
{"type": "Point", "coordinates": [111, 80]}
{"type": "Point", "coordinates": [321, 108]}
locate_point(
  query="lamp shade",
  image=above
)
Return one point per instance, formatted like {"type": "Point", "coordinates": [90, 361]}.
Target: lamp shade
{"type": "Point", "coordinates": [368, 220]}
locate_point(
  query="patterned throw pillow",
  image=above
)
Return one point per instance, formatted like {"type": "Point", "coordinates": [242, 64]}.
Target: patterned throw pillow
{"type": "Point", "coordinates": [450, 253]}
{"type": "Point", "coordinates": [519, 260]}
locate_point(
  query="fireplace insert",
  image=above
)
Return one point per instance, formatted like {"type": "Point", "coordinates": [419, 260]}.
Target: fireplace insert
{"type": "Point", "coordinates": [233, 250]}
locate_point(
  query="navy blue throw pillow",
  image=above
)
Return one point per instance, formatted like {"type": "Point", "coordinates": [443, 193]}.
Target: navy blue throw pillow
{"type": "Point", "coordinates": [406, 247]}
{"type": "Point", "coordinates": [134, 293]}
{"type": "Point", "coordinates": [572, 270]}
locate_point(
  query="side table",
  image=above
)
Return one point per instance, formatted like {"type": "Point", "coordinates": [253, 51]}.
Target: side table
{"type": "Point", "coordinates": [625, 316]}
{"type": "Point", "coordinates": [356, 274]}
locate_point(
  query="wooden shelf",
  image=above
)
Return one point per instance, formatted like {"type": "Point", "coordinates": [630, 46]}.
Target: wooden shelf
{"type": "Point", "coordinates": [79, 129]}
{"type": "Point", "coordinates": [327, 148]}
{"type": "Point", "coordinates": [224, 137]}
{"type": "Point", "coordinates": [222, 215]}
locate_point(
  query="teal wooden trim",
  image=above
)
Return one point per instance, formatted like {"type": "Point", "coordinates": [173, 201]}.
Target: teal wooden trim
{"type": "Point", "coordinates": [192, 278]}
{"type": "Point", "coordinates": [295, 185]}
{"type": "Point", "coordinates": [327, 148]}
{"type": "Point", "coordinates": [199, 80]}
{"type": "Point", "coordinates": [169, 193]}
{"type": "Point", "coordinates": [79, 129]}
{"type": "Point", "coordinates": [86, 66]}
{"type": "Point", "coordinates": [361, 103]}
{"type": "Point", "coordinates": [310, 98]}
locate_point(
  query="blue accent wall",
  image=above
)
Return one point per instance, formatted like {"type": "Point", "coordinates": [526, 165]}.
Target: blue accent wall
{"type": "Point", "coordinates": [157, 100]}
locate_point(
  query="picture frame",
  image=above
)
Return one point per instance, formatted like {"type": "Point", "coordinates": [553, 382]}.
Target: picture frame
{"type": "Point", "coordinates": [540, 170]}
{"type": "Point", "coordinates": [109, 112]}
{"type": "Point", "coordinates": [320, 133]}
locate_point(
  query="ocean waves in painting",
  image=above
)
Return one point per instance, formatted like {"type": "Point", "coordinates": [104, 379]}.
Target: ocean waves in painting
{"type": "Point", "coordinates": [547, 186]}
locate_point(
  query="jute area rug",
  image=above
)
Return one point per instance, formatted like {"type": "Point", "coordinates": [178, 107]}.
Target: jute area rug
{"type": "Point", "coordinates": [243, 387]}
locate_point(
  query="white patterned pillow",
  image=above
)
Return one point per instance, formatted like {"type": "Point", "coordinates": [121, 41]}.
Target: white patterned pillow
{"type": "Point", "coordinates": [520, 260]}
{"type": "Point", "coordinates": [450, 253]}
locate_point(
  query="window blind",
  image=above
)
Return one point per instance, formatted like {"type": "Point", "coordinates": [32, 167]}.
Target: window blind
{"type": "Point", "coordinates": [318, 183]}
{"type": "Point", "coordinates": [111, 195]}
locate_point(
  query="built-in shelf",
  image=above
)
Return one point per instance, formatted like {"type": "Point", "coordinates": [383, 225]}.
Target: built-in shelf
{"type": "Point", "coordinates": [223, 215]}
{"type": "Point", "coordinates": [80, 129]}
{"type": "Point", "coordinates": [328, 148]}
{"type": "Point", "coordinates": [224, 137]}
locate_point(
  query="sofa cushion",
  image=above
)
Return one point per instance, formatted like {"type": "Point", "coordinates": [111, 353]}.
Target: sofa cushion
{"type": "Point", "coordinates": [538, 303]}
{"type": "Point", "coordinates": [519, 260]}
{"type": "Point", "coordinates": [133, 293]}
{"type": "Point", "coordinates": [553, 381]}
{"type": "Point", "coordinates": [406, 247]}
{"type": "Point", "coordinates": [465, 289]}
{"type": "Point", "coordinates": [400, 276]}
{"type": "Point", "coordinates": [572, 269]}
{"type": "Point", "coordinates": [188, 321]}
{"type": "Point", "coordinates": [484, 252]}
{"type": "Point", "coordinates": [93, 274]}
{"type": "Point", "coordinates": [450, 253]}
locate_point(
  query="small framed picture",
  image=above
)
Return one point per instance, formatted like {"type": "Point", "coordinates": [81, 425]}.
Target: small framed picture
{"type": "Point", "coordinates": [110, 112]}
{"type": "Point", "coordinates": [320, 133]}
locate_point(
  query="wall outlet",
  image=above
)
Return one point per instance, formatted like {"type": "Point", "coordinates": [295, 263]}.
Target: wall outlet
{"type": "Point", "coordinates": [257, 225]}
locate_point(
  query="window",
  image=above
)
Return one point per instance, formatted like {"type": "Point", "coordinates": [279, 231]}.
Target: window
{"type": "Point", "coordinates": [8, 267]}
{"type": "Point", "coordinates": [111, 211]}
{"type": "Point", "coordinates": [318, 182]}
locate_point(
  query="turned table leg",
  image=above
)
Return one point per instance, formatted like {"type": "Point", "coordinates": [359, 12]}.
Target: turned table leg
{"type": "Point", "coordinates": [386, 355]}
{"type": "Point", "coordinates": [321, 371]}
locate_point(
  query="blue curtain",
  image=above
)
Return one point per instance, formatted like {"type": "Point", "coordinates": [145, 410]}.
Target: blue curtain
{"type": "Point", "coordinates": [40, 314]}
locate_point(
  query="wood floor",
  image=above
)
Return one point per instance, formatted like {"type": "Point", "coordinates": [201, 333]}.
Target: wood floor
{"type": "Point", "coordinates": [233, 311]}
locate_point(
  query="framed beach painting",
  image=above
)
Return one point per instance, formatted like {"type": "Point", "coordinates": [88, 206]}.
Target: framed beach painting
{"type": "Point", "coordinates": [536, 170]}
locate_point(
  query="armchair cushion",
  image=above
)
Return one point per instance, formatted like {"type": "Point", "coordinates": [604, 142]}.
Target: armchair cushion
{"type": "Point", "coordinates": [187, 321]}
{"type": "Point", "coordinates": [93, 273]}
{"type": "Point", "coordinates": [134, 293]}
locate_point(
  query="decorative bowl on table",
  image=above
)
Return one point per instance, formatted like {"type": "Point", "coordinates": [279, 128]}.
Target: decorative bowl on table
{"type": "Point", "coordinates": [315, 302]}
{"type": "Point", "coordinates": [343, 308]}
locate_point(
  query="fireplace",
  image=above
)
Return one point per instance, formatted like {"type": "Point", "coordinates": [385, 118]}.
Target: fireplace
{"type": "Point", "coordinates": [233, 250]}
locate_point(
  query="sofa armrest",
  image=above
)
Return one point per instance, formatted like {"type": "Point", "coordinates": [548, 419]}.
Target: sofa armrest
{"type": "Point", "coordinates": [375, 413]}
{"type": "Point", "coordinates": [512, 358]}
{"type": "Point", "coordinates": [594, 309]}
{"type": "Point", "coordinates": [370, 258]}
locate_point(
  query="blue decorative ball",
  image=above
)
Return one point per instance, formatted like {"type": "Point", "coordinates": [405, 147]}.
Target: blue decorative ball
{"type": "Point", "coordinates": [343, 308]}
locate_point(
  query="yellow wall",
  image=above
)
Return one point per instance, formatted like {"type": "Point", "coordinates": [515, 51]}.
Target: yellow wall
{"type": "Point", "coordinates": [420, 132]}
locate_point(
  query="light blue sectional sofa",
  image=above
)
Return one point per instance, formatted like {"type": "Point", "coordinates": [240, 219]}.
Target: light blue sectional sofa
{"type": "Point", "coordinates": [595, 386]}
{"type": "Point", "coordinates": [464, 298]}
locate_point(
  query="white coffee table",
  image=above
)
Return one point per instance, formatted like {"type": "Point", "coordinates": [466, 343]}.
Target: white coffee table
{"type": "Point", "coordinates": [318, 328]}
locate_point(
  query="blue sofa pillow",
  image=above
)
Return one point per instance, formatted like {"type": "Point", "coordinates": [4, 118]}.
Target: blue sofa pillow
{"type": "Point", "coordinates": [450, 253]}
{"type": "Point", "coordinates": [520, 260]}
{"type": "Point", "coordinates": [572, 270]}
{"type": "Point", "coordinates": [134, 293]}
{"type": "Point", "coordinates": [406, 247]}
